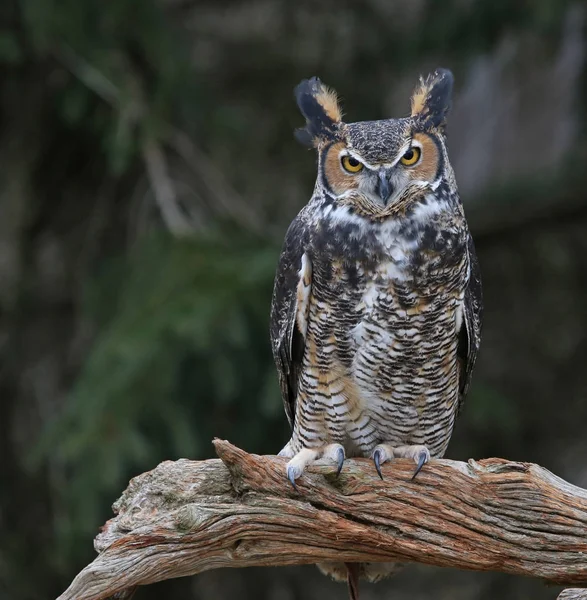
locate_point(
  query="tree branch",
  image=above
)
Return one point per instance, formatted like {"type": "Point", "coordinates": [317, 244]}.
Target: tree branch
{"type": "Point", "coordinates": [186, 517]}
{"type": "Point", "coordinates": [164, 190]}
{"type": "Point", "coordinates": [573, 594]}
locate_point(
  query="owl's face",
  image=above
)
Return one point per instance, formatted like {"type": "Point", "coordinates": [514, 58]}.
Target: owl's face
{"type": "Point", "coordinates": [382, 162]}
{"type": "Point", "coordinates": [378, 166]}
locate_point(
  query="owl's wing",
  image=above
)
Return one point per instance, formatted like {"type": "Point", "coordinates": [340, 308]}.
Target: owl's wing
{"type": "Point", "coordinates": [290, 310]}
{"type": "Point", "coordinates": [470, 334]}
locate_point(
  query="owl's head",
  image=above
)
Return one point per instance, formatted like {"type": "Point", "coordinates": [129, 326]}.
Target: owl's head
{"type": "Point", "coordinates": [378, 166]}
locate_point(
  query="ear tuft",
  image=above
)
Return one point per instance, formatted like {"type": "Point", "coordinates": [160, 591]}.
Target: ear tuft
{"type": "Point", "coordinates": [327, 98]}
{"type": "Point", "coordinates": [431, 99]}
{"type": "Point", "coordinates": [319, 105]}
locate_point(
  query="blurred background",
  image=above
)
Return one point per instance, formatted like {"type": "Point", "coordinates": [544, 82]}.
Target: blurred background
{"type": "Point", "coordinates": [148, 173]}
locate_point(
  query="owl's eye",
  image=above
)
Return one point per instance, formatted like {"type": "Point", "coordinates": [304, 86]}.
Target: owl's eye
{"type": "Point", "coordinates": [350, 164]}
{"type": "Point", "coordinates": [411, 157]}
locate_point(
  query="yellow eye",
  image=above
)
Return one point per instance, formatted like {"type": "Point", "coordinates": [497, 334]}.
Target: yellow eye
{"type": "Point", "coordinates": [350, 164]}
{"type": "Point", "coordinates": [411, 157]}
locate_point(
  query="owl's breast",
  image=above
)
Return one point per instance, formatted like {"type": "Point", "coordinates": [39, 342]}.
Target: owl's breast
{"type": "Point", "coordinates": [385, 313]}
{"type": "Point", "coordinates": [388, 294]}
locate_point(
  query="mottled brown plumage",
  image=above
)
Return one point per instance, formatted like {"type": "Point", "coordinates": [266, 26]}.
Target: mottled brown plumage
{"type": "Point", "coordinates": [376, 315]}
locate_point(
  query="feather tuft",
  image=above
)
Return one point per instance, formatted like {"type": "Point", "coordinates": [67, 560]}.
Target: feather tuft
{"type": "Point", "coordinates": [431, 99]}
{"type": "Point", "coordinates": [319, 105]}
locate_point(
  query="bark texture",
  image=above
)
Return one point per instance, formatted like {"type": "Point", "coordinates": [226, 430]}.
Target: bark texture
{"type": "Point", "coordinates": [573, 594]}
{"type": "Point", "coordinates": [186, 517]}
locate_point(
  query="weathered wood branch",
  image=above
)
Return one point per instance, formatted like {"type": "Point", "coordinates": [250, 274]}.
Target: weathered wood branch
{"type": "Point", "coordinates": [573, 594]}
{"type": "Point", "coordinates": [186, 517]}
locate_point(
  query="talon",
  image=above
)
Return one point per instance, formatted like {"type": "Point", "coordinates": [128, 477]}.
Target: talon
{"type": "Point", "coordinates": [422, 460]}
{"type": "Point", "coordinates": [377, 460]}
{"type": "Point", "coordinates": [340, 459]}
{"type": "Point", "coordinates": [292, 478]}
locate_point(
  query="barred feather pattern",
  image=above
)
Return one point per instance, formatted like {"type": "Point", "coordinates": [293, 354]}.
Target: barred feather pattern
{"type": "Point", "coordinates": [380, 361]}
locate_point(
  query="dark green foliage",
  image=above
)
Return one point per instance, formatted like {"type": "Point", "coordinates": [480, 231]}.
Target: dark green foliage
{"type": "Point", "coordinates": [175, 347]}
{"type": "Point", "coordinates": [181, 355]}
{"type": "Point", "coordinates": [125, 62]}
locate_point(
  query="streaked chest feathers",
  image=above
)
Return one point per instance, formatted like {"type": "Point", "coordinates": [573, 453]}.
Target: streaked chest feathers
{"type": "Point", "coordinates": [383, 315]}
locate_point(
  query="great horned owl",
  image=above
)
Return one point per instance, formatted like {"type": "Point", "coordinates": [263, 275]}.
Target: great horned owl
{"type": "Point", "coordinates": [376, 314]}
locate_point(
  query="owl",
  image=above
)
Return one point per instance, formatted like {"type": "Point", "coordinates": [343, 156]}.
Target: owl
{"type": "Point", "coordinates": [376, 311]}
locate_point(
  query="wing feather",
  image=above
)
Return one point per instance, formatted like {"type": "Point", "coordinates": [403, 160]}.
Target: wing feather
{"type": "Point", "coordinates": [290, 311]}
{"type": "Point", "coordinates": [470, 333]}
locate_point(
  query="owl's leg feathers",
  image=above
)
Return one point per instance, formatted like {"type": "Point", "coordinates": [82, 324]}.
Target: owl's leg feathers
{"type": "Point", "coordinates": [286, 451]}
{"type": "Point", "coordinates": [384, 452]}
{"type": "Point", "coordinates": [419, 454]}
{"type": "Point", "coordinates": [297, 465]}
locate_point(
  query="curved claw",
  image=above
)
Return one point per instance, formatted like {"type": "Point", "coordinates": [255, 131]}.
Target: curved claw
{"type": "Point", "coordinates": [377, 461]}
{"type": "Point", "coordinates": [340, 460]}
{"type": "Point", "coordinates": [292, 477]}
{"type": "Point", "coordinates": [422, 460]}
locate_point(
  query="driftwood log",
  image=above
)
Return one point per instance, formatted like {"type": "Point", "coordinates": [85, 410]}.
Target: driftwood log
{"type": "Point", "coordinates": [186, 517]}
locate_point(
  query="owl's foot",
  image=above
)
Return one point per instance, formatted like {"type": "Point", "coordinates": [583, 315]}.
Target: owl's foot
{"type": "Point", "coordinates": [296, 466]}
{"type": "Point", "coordinates": [384, 452]}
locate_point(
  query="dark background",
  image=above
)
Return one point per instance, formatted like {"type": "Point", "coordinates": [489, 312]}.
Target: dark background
{"type": "Point", "coordinates": [147, 175]}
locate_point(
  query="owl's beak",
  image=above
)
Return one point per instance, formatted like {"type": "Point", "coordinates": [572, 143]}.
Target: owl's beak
{"type": "Point", "coordinates": [384, 188]}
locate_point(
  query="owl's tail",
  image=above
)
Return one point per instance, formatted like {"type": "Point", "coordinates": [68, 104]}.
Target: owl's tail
{"type": "Point", "coordinates": [352, 578]}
